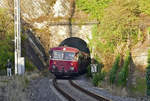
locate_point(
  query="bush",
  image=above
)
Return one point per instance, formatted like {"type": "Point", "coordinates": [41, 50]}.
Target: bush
{"type": "Point", "coordinates": [95, 80]}
{"type": "Point", "coordinates": [123, 74]}
{"type": "Point", "coordinates": [3, 72]}
{"type": "Point", "coordinates": [100, 65]}
{"type": "Point", "coordinates": [29, 66]}
{"type": "Point", "coordinates": [102, 75]}
{"type": "Point", "coordinates": [6, 51]}
{"type": "Point", "coordinates": [148, 75]}
{"type": "Point", "coordinates": [114, 69]}
{"type": "Point", "coordinates": [89, 74]}
{"type": "Point", "coordinates": [98, 77]}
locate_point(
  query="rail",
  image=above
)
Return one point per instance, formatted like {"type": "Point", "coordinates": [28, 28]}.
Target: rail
{"type": "Point", "coordinates": [62, 92]}
{"type": "Point", "coordinates": [69, 98]}
{"type": "Point", "coordinates": [98, 97]}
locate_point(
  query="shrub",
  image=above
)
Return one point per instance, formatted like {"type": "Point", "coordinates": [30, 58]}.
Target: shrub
{"type": "Point", "coordinates": [89, 74]}
{"type": "Point", "coordinates": [100, 65]}
{"type": "Point", "coordinates": [114, 69]}
{"type": "Point", "coordinates": [102, 75]}
{"type": "Point", "coordinates": [3, 72]}
{"type": "Point", "coordinates": [148, 75]}
{"type": "Point", "coordinates": [98, 77]}
{"type": "Point", "coordinates": [123, 74]}
{"type": "Point", "coordinates": [6, 52]}
{"type": "Point", "coordinates": [95, 80]}
{"type": "Point", "coordinates": [29, 66]}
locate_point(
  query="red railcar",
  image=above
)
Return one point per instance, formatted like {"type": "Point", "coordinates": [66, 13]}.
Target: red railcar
{"type": "Point", "coordinates": [67, 61]}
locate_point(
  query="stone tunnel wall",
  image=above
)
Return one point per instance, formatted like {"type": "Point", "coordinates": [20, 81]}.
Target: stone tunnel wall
{"type": "Point", "coordinates": [44, 17]}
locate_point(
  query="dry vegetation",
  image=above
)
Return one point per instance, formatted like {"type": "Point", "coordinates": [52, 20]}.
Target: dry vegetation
{"type": "Point", "coordinates": [15, 88]}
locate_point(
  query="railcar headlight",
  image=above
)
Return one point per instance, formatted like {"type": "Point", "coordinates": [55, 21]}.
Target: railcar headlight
{"type": "Point", "coordinates": [71, 68]}
{"type": "Point", "coordinates": [53, 66]}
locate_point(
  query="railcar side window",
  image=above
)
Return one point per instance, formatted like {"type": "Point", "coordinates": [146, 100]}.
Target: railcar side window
{"type": "Point", "coordinates": [76, 56]}
{"type": "Point", "coordinates": [57, 55]}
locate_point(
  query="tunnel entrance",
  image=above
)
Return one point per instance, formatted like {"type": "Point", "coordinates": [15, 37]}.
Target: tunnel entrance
{"type": "Point", "coordinates": [76, 43]}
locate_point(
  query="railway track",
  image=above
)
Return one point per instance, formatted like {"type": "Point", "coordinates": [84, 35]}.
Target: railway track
{"type": "Point", "coordinates": [70, 98]}
{"type": "Point", "coordinates": [67, 96]}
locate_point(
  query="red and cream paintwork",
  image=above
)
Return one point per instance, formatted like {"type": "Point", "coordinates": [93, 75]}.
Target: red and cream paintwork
{"type": "Point", "coordinates": [62, 66]}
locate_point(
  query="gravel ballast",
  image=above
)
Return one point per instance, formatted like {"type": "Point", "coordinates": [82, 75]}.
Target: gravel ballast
{"type": "Point", "coordinates": [40, 90]}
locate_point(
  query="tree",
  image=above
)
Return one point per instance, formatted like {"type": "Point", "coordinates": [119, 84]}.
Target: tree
{"type": "Point", "coordinates": [6, 24]}
{"type": "Point", "coordinates": [123, 74]}
{"type": "Point", "coordinates": [6, 36]}
{"type": "Point", "coordinates": [113, 71]}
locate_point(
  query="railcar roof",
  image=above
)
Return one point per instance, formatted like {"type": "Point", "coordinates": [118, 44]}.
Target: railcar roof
{"type": "Point", "coordinates": [65, 48]}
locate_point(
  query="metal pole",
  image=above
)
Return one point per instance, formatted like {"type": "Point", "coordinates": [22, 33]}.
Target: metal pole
{"type": "Point", "coordinates": [19, 62]}
{"type": "Point", "coordinates": [16, 34]}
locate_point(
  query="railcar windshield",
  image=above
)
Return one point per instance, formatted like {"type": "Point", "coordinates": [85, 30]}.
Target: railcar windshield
{"type": "Point", "coordinates": [69, 55]}
{"type": "Point", "coordinates": [63, 55]}
{"type": "Point", "coordinates": [57, 55]}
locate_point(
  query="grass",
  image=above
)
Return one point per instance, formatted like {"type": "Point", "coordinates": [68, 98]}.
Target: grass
{"type": "Point", "coordinates": [140, 88]}
{"type": "Point", "coordinates": [25, 81]}
{"type": "Point", "coordinates": [4, 81]}
{"type": "Point", "coordinates": [2, 72]}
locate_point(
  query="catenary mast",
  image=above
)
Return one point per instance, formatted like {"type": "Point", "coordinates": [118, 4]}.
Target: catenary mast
{"type": "Point", "coordinates": [19, 61]}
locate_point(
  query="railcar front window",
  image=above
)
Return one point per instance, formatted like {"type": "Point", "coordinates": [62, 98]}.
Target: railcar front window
{"type": "Point", "coordinates": [57, 55]}
{"type": "Point", "coordinates": [69, 56]}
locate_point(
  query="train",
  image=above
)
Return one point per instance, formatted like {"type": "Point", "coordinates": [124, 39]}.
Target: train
{"type": "Point", "coordinates": [68, 61]}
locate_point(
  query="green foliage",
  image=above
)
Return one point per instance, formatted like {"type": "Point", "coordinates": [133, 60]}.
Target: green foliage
{"type": "Point", "coordinates": [144, 6]}
{"type": "Point", "coordinates": [100, 65]}
{"type": "Point", "coordinates": [95, 80]}
{"type": "Point", "coordinates": [149, 30]}
{"type": "Point", "coordinates": [94, 7]}
{"type": "Point", "coordinates": [6, 24]}
{"type": "Point", "coordinates": [89, 74]}
{"type": "Point", "coordinates": [118, 20]}
{"type": "Point", "coordinates": [6, 51]}
{"type": "Point", "coordinates": [117, 25]}
{"type": "Point", "coordinates": [6, 43]}
{"type": "Point", "coordinates": [29, 65]}
{"type": "Point", "coordinates": [114, 69]}
{"type": "Point", "coordinates": [148, 75]}
{"type": "Point", "coordinates": [102, 75]}
{"type": "Point", "coordinates": [97, 45]}
{"type": "Point", "coordinates": [98, 77]}
{"type": "Point", "coordinates": [148, 58]}
{"type": "Point", "coordinates": [140, 87]}
{"type": "Point", "coordinates": [123, 74]}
